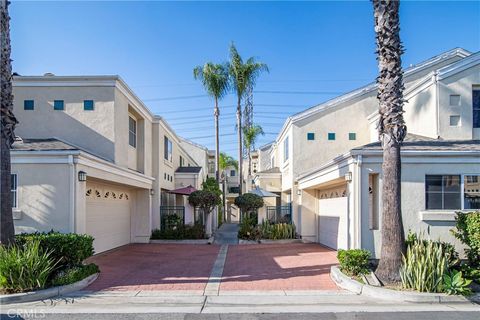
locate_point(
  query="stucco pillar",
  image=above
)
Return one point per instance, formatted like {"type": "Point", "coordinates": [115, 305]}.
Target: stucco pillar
{"type": "Point", "coordinates": [80, 201]}
{"type": "Point", "coordinates": [141, 217]}
{"type": "Point", "coordinates": [308, 222]}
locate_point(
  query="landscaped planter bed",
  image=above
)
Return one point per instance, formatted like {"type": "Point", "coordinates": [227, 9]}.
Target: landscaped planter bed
{"type": "Point", "coordinates": [182, 241]}
{"type": "Point", "coordinates": [47, 293]}
{"type": "Point", "coordinates": [269, 241]}
{"type": "Point", "coordinates": [347, 283]}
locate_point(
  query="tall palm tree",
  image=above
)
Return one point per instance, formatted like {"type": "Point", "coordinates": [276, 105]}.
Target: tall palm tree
{"type": "Point", "coordinates": [215, 80]}
{"type": "Point", "coordinates": [392, 131]}
{"type": "Point", "coordinates": [250, 136]}
{"type": "Point", "coordinates": [7, 127]}
{"type": "Point", "coordinates": [226, 161]}
{"type": "Point", "coordinates": [243, 75]}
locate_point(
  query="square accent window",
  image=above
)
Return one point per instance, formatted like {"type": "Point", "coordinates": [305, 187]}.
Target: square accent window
{"type": "Point", "coordinates": [310, 136]}
{"type": "Point", "coordinates": [58, 105]}
{"type": "Point", "coordinates": [331, 136]}
{"type": "Point", "coordinates": [443, 192]}
{"type": "Point", "coordinates": [88, 105]}
{"type": "Point", "coordinates": [352, 136]}
{"type": "Point", "coordinates": [28, 105]}
{"type": "Point", "coordinates": [14, 190]}
{"type": "Point", "coordinates": [454, 100]}
{"type": "Point", "coordinates": [455, 121]}
{"type": "Point", "coordinates": [132, 132]}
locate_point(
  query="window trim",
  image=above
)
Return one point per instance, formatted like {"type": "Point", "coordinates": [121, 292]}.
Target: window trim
{"type": "Point", "coordinates": [15, 205]}
{"type": "Point", "coordinates": [134, 132]}
{"type": "Point", "coordinates": [462, 191]}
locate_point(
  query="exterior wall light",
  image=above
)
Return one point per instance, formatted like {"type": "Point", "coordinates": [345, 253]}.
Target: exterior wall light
{"type": "Point", "coordinates": [299, 192]}
{"type": "Point", "coordinates": [348, 177]}
{"type": "Point", "coordinates": [82, 176]}
{"type": "Point", "coordinates": [152, 192]}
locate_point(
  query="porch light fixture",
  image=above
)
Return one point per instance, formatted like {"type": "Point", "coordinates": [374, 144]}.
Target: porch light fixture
{"type": "Point", "coordinates": [152, 192]}
{"type": "Point", "coordinates": [348, 177]}
{"type": "Point", "coordinates": [82, 176]}
{"type": "Point", "coordinates": [299, 192]}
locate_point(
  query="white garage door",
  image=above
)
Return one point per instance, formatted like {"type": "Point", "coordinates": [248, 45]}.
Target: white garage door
{"type": "Point", "coordinates": [108, 216]}
{"type": "Point", "coordinates": [332, 231]}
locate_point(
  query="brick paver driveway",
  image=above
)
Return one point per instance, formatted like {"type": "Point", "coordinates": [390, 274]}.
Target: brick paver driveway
{"type": "Point", "coordinates": [278, 267]}
{"type": "Point", "coordinates": [155, 267]}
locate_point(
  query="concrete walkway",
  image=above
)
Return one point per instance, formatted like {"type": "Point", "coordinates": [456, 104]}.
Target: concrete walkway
{"type": "Point", "coordinates": [227, 234]}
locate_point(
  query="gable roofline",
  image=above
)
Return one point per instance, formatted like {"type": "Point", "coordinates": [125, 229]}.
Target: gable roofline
{"type": "Point", "coordinates": [456, 52]}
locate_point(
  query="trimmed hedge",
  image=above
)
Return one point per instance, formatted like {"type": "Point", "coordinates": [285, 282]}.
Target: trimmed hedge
{"type": "Point", "coordinates": [354, 262]}
{"type": "Point", "coordinates": [74, 274]}
{"type": "Point", "coordinates": [69, 249]}
{"type": "Point", "coordinates": [196, 231]}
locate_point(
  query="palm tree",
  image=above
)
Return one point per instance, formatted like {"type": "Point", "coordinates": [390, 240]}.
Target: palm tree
{"type": "Point", "coordinates": [243, 75]}
{"type": "Point", "coordinates": [250, 135]}
{"type": "Point", "coordinates": [392, 131]}
{"type": "Point", "coordinates": [7, 127]}
{"type": "Point", "coordinates": [226, 161]}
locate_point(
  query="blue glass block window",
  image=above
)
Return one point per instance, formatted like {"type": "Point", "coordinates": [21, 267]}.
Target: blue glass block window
{"type": "Point", "coordinates": [352, 136]}
{"type": "Point", "coordinates": [28, 105]}
{"type": "Point", "coordinates": [310, 136]}
{"type": "Point", "coordinates": [331, 136]}
{"type": "Point", "coordinates": [58, 105]}
{"type": "Point", "coordinates": [88, 105]}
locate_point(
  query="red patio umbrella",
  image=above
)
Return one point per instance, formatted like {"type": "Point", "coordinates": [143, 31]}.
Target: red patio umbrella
{"type": "Point", "coordinates": [185, 190]}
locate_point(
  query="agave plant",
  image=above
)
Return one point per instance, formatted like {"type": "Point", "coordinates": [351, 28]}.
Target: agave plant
{"type": "Point", "coordinates": [455, 283]}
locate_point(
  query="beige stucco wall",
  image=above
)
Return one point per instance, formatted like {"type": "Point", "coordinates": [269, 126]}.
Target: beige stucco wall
{"type": "Point", "coordinates": [91, 130]}
{"type": "Point", "coordinates": [43, 197]}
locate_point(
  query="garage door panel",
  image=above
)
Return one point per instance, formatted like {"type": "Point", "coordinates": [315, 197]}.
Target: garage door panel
{"type": "Point", "coordinates": [332, 230]}
{"type": "Point", "coordinates": [108, 216]}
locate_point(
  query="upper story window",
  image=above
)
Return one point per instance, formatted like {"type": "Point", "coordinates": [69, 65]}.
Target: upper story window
{"type": "Point", "coordinates": [88, 105]}
{"type": "Point", "coordinates": [132, 132]}
{"type": "Point", "coordinates": [273, 162]}
{"type": "Point", "coordinates": [454, 100]}
{"type": "Point", "coordinates": [471, 192]}
{"type": "Point", "coordinates": [232, 173]}
{"type": "Point", "coordinates": [58, 105]}
{"type": "Point", "coordinates": [331, 136]}
{"type": "Point", "coordinates": [167, 149]}
{"type": "Point", "coordinates": [285, 150]}
{"type": "Point", "coordinates": [13, 189]}
{"type": "Point", "coordinates": [28, 105]}
{"type": "Point", "coordinates": [476, 107]}
{"type": "Point", "coordinates": [352, 136]}
{"type": "Point", "coordinates": [182, 161]}
{"type": "Point", "coordinates": [310, 136]}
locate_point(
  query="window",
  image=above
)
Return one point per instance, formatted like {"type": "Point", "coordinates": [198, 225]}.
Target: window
{"type": "Point", "coordinates": [88, 105]}
{"type": "Point", "coordinates": [310, 136]}
{"type": "Point", "coordinates": [273, 162]}
{"type": "Point", "coordinates": [471, 192]}
{"type": "Point", "coordinates": [476, 108]}
{"type": "Point", "coordinates": [454, 100]}
{"type": "Point", "coordinates": [455, 121]}
{"type": "Point", "coordinates": [232, 173]}
{"type": "Point", "coordinates": [28, 105]}
{"type": "Point", "coordinates": [181, 161]}
{"type": "Point", "coordinates": [285, 149]}
{"type": "Point", "coordinates": [331, 136]}
{"type": "Point", "coordinates": [443, 192]}
{"type": "Point", "coordinates": [167, 149]}
{"type": "Point", "coordinates": [58, 105]}
{"type": "Point", "coordinates": [132, 132]}
{"type": "Point", "coordinates": [352, 136]}
{"type": "Point", "coordinates": [13, 189]}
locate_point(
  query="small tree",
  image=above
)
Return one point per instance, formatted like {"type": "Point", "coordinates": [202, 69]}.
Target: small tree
{"type": "Point", "coordinates": [205, 200]}
{"type": "Point", "coordinates": [249, 203]}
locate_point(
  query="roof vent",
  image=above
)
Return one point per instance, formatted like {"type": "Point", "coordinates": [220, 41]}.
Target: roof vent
{"type": "Point", "coordinates": [48, 74]}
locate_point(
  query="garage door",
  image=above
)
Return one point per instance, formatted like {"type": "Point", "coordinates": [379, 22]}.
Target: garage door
{"type": "Point", "coordinates": [108, 216]}
{"type": "Point", "coordinates": [332, 231]}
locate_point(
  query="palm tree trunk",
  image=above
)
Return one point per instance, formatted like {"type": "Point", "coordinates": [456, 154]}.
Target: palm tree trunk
{"type": "Point", "coordinates": [7, 126]}
{"type": "Point", "coordinates": [239, 129]}
{"type": "Point", "coordinates": [217, 143]}
{"type": "Point", "coordinates": [392, 131]}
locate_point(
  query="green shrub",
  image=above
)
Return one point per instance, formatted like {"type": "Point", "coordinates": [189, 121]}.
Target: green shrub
{"type": "Point", "coordinates": [196, 231]}
{"type": "Point", "coordinates": [467, 230]}
{"type": "Point", "coordinates": [424, 266]}
{"type": "Point", "coordinates": [353, 262]}
{"type": "Point", "coordinates": [455, 283]}
{"type": "Point", "coordinates": [248, 229]}
{"type": "Point", "coordinates": [69, 249]}
{"type": "Point", "coordinates": [74, 274]}
{"type": "Point", "coordinates": [25, 268]}
{"type": "Point", "coordinates": [277, 231]}
{"type": "Point", "coordinates": [249, 202]}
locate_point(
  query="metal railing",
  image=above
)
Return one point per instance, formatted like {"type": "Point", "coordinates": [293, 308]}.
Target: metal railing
{"type": "Point", "coordinates": [171, 217]}
{"type": "Point", "coordinates": [280, 213]}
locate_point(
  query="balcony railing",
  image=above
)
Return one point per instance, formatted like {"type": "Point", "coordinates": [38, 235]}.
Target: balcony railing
{"type": "Point", "coordinates": [280, 213]}
{"type": "Point", "coordinates": [171, 217]}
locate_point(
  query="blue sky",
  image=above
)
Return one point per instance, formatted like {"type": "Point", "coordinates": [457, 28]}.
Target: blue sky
{"type": "Point", "coordinates": [315, 50]}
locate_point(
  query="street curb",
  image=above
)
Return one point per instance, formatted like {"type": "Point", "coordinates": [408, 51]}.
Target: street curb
{"type": "Point", "coordinates": [186, 241]}
{"type": "Point", "coordinates": [47, 293]}
{"type": "Point", "coordinates": [352, 285]}
{"type": "Point", "coordinates": [268, 241]}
